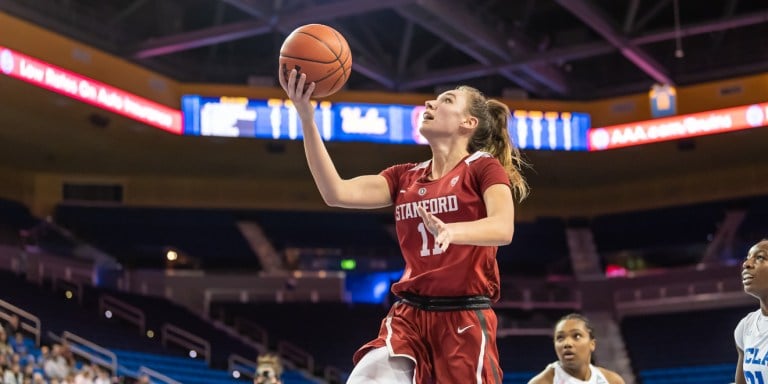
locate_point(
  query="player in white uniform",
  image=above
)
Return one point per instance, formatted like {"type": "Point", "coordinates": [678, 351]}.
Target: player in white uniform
{"type": "Point", "coordinates": [751, 333]}
{"type": "Point", "coordinates": [574, 344]}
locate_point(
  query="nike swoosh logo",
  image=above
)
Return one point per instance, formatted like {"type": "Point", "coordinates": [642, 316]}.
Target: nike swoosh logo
{"type": "Point", "coordinates": [402, 191]}
{"type": "Point", "coordinates": [462, 330]}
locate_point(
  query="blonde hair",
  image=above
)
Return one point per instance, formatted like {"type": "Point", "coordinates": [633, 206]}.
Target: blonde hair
{"type": "Point", "coordinates": [492, 136]}
{"type": "Point", "coordinates": [269, 361]}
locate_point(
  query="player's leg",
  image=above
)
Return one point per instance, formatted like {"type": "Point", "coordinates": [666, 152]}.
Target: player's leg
{"type": "Point", "coordinates": [378, 367]}
{"type": "Point", "coordinates": [468, 352]}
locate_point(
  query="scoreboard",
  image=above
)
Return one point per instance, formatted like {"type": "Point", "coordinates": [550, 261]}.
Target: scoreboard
{"type": "Point", "coordinates": [363, 122]}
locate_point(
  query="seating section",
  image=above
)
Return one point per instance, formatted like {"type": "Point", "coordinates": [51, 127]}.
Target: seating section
{"type": "Point", "coordinates": [537, 249]}
{"type": "Point", "coordinates": [13, 217]}
{"type": "Point", "coordinates": [706, 374]}
{"type": "Point", "coordinates": [160, 311]}
{"type": "Point", "coordinates": [331, 332]}
{"type": "Point", "coordinates": [353, 232]}
{"type": "Point", "coordinates": [140, 237]}
{"type": "Point", "coordinates": [19, 227]}
{"type": "Point", "coordinates": [183, 370]}
{"type": "Point", "coordinates": [525, 355]}
{"type": "Point", "coordinates": [663, 237]}
{"type": "Point", "coordinates": [754, 227]}
{"type": "Point", "coordinates": [58, 314]}
{"type": "Point", "coordinates": [684, 347]}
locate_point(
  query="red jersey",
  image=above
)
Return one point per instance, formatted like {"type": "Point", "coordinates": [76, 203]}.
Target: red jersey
{"type": "Point", "coordinates": [462, 270]}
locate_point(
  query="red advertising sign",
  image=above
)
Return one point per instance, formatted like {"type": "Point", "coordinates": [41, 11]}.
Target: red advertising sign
{"type": "Point", "coordinates": [678, 127]}
{"type": "Point", "coordinates": [89, 91]}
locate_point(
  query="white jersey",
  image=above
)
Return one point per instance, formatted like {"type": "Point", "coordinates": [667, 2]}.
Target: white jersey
{"type": "Point", "coordinates": [562, 377]}
{"type": "Point", "coordinates": [752, 337]}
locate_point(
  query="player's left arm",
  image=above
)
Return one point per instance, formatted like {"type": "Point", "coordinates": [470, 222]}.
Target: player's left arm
{"type": "Point", "coordinates": [495, 229]}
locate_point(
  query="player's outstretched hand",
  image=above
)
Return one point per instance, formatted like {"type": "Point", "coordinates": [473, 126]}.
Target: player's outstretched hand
{"type": "Point", "coordinates": [294, 88]}
{"type": "Point", "coordinates": [437, 228]}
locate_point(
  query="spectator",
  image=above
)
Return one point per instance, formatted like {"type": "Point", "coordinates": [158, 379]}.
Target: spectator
{"type": "Point", "coordinates": [268, 370]}
{"type": "Point", "coordinates": [5, 346]}
{"type": "Point", "coordinates": [37, 378]}
{"type": "Point", "coordinates": [13, 375]}
{"type": "Point", "coordinates": [56, 366]}
{"type": "Point", "coordinates": [12, 326]}
{"type": "Point", "coordinates": [102, 376]}
{"type": "Point", "coordinates": [19, 346]}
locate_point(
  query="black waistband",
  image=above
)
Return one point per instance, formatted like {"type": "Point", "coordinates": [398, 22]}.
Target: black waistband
{"type": "Point", "coordinates": [456, 303]}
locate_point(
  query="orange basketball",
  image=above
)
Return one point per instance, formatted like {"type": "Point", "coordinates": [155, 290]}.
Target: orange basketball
{"type": "Point", "coordinates": [321, 53]}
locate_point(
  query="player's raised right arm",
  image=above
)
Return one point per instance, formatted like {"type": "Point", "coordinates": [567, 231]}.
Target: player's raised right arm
{"type": "Point", "coordinates": [369, 191]}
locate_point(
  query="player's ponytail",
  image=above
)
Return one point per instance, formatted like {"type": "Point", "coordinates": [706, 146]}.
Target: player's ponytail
{"type": "Point", "coordinates": [492, 136]}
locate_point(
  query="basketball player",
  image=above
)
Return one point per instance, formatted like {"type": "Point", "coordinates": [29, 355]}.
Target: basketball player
{"type": "Point", "coordinates": [751, 333]}
{"type": "Point", "coordinates": [574, 344]}
{"type": "Point", "coordinates": [452, 212]}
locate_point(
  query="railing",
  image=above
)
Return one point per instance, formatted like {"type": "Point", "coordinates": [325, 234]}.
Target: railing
{"type": "Point", "coordinates": [252, 330]}
{"type": "Point", "coordinates": [540, 299]}
{"type": "Point", "coordinates": [173, 334]}
{"type": "Point", "coordinates": [506, 332]}
{"type": "Point", "coordinates": [157, 376]}
{"type": "Point", "coordinates": [271, 294]}
{"type": "Point", "coordinates": [90, 351]}
{"type": "Point", "coordinates": [60, 270]}
{"type": "Point", "coordinates": [13, 258]}
{"type": "Point", "coordinates": [240, 364]}
{"type": "Point", "coordinates": [296, 355]}
{"type": "Point", "coordinates": [25, 318]}
{"type": "Point", "coordinates": [681, 297]}
{"type": "Point", "coordinates": [333, 375]}
{"type": "Point", "coordinates": [124, 311]}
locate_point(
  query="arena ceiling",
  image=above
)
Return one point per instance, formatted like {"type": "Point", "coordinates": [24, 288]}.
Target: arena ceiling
{"type": "Point", "coordinates": [555, 49]}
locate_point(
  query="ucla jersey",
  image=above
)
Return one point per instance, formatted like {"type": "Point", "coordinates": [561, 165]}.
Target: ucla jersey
{"type": "Point", "coordinates": [752, 337]}
{"type": "Point", "coordinates": [562, 377]}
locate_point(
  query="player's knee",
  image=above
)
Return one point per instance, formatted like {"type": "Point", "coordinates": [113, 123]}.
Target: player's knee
{"type": "Point", "coordinates": [378, 367]}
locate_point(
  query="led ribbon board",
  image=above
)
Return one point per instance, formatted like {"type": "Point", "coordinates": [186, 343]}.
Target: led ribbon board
{"type": "Point", "coordinates": [70, 84]}
{"type": "Point", "coordinates": [378, 123]}
{"type": "Point", "coordinates": [678, 127]}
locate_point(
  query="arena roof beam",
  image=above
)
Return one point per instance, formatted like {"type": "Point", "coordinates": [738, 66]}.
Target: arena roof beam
{"type": "Point", "coordinates": [653, 12]}
{"type": "Point", "coordinates": [405, 47]}
{"type": "Point", "coordinates": [469, 71]}
{"type": "Point", "coordinates": [583, 51]}
{"type": "Point", "coordinates": [235, 31]}
{"type": "Point", "coordinates": [629, 18]}
{"type": "Point", "coordinates": [127, 11]}
{"type": "Point", "coordinates": [478, 33]}
{"type": "Point", "coordinates": [24, 11]}
{"type": "Point", "coordinates": [360, 64]}
{"type": "Point", "coordinates": [703, 28]}
{"type": "Point", "coordinates": [250, 7]}
{"type": "Point", "coordinates": [423, 18]}
{"type": "Point", "coordinates": [592, 16]}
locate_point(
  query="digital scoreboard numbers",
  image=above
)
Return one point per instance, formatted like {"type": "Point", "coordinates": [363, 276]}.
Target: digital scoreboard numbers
{"type": "Point", "coordinates": [363, 122]}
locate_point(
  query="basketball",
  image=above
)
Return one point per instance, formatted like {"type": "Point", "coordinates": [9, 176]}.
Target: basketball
{"type": "Point", "coordinates": [321, 53]}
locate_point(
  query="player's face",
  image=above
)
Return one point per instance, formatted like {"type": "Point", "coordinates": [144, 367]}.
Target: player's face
{"type": "Point", "coordinates": [573, 345]}
{"type": "Point", "coordinates": [754, 270]}
{"type": "Point", "coordinates": [445, 114]}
